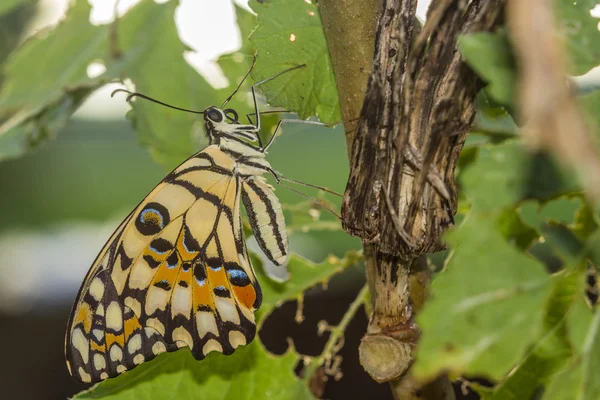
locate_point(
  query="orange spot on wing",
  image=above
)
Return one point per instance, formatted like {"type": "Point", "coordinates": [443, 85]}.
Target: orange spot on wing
{"type": "Point", "coordinates": [84, 315]}
{"type": "Point", "coordinates": [96, 346]}
{"type": "Point", "coordinates": [217, 278]}
{"type": "Point", "coordinates": [245, 295]}
{"type": "Point", "coordinates": [112, 338]}
{"type": "Point", "coordinates": [132, 325]}
{"type": "Point", "coordinates": [201, 293]}
{"type": "Point", "coordinates": [164, 273]}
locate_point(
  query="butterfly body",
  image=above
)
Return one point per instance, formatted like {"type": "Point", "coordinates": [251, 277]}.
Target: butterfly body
{"type": "Point", "coordinates": [176, 272]}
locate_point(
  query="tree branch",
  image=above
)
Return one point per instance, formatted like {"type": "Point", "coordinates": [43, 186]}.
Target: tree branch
{"type": "Point", "coordinates": [418, 107]}
{"type": "Point", "coordinates": [350, 28]}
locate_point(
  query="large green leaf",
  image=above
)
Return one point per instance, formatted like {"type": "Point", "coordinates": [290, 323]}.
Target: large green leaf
{"type": "Point", "coordinates": [250, 373]}
{"type": "Point", "coordinates": [34, 105]}
{"type": "Point", "coordinates": [552, 349]}
{"type": "Point", "coordinates": [491, 56]}
{"type": "Point", "coordinates": [15, 16]}
{"type": "Point", "coordinates": [45, 80]}
{"type": "Point", "coordinates": [505, 174]}
{"type": "Point", "coordinates": [580, 380]}
{"type": "Point", "coordinates": [289, 34]}
{"type": "Point", "coordinates": [485, 308]}
{"type": "Point", "coordinates": [515, 230]}
{"type": "Point", "coordinates": [235, 66]}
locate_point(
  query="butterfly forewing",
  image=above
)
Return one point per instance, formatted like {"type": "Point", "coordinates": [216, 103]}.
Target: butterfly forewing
{"type": "Point", "coordinates": [175, 273]}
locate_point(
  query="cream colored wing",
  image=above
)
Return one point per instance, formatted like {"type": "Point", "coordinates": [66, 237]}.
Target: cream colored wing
{"type": "Point", "coordinates": [175, 273]}
{"type": "Point", "coordinates": [266, 218]}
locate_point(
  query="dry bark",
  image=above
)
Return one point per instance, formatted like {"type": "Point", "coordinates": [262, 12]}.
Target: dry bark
{"type": "Point", "coordinates": [401, 195]}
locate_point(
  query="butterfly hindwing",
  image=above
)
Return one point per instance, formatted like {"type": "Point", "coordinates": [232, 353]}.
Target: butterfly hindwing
{"type": "Point", "coordinates": [266, 218]}
{"type": "Point", "coordinates": [106, 337]}
{"type": "Point", "coordinates": [175, 273]}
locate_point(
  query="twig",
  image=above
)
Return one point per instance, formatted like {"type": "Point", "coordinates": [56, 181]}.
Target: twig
{"type": "Point", "coordinates": [336, 334]}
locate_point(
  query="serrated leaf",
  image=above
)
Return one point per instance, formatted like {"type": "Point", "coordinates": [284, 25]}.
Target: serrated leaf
{"type": "Point", "coordinates": [289, 34]}
{"type": "Point", "coordinates": [249, 373]}
{"type": "Point", "coordinates": [485, 308]}
{"type": "Point", "coordinates": [490, 56]}
{"type": "Point", "coordinates": [551, 350]}
{"type": "Point", "coordinates": [581, 32]}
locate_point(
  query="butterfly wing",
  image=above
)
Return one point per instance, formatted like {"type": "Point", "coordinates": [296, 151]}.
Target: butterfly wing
{"type": "Point", "coordinates": [266, 218]}
{"type": "Point", "coordinates": [175, 273]}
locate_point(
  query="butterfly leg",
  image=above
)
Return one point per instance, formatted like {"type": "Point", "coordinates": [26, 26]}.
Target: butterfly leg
{"type": "Point", "coordinates": [278, 127]}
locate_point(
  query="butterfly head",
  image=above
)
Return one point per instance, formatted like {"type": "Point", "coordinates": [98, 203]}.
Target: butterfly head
{"type": "Point", "coordinates": [225, 122]}
{"type": "Point", "coordinates": [215, 116]}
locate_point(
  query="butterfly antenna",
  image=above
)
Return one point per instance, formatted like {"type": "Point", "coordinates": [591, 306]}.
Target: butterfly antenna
{"type": "Point", "coordinates": [279, 74]}
{"type": "Point", "coordinates": [325, 206]}
{"type": "Point", "coordinates": [228, 99]}
{"type": "Point", "coordinates": [310, 185]}
{"type": "Point", "coordinates": [131, 95]}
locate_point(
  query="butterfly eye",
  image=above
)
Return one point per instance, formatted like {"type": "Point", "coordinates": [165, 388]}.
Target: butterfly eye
{"type": "Point", "coordinates": [232, 115]}
{"type": "Point", "coordinates": [214, 115]}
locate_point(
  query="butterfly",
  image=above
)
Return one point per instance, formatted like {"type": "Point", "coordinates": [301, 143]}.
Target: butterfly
{"type": "Point", "coordinates": [176, 271]}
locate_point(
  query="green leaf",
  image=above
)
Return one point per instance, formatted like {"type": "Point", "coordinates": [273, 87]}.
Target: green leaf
{"type": "Point", "coordinates": [9, 5]}
{"type": "Point", "coordinates": [249, 373]}
{"type": "Point", "coordinates": [34, 103]}
{"type": "Point", "coordinates": [580, 380]}
{"type": "Point", "coordinates": [515, 230]}
{"type": "Point", "coordinates": [581, 32]}
{"type": "Point", "coordinates": [14, 22]}
{"type": "Point", "coordinates": [586, 220]}
{"type": "Point", "coordinates": [485, 307]}
{"type": "Point", "coordinates": [506, 174]}
{"type": "Point", "coordinates": [306, 216]}
{"type": "Point", "coordinates": [491, 57]}
{"type": "Point", "coordinates": [564, 241]}
{"type": "Point", "coordinates": [31, 132]}
{"type": "Point", "coordinates": [153, 60]}
{"type": "Point", "coordinates": [303, 275]}
{"type": "Point", "coordinates": [235, 66]}
{"type": "Point", "coordinates": [290, 34]}
{"type": "Point", "coordinates": [147, 50]}
{"type": "Point", "coordinates": [552, 349]}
